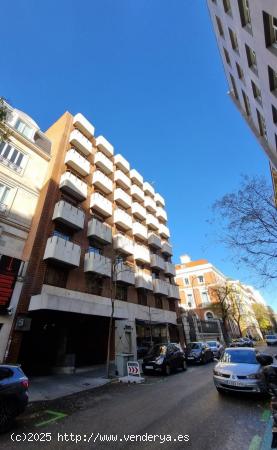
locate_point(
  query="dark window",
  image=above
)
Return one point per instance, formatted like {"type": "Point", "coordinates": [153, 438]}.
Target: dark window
{"type": "Point", "coordinates": [270, 29]}
{"type": "Point", "coordinates": [158, 302]}
{"type": "Point", "coordinates": [256, 92]}
{"type": "Point", "coordinates": [240, 72]}
{"type": "Point", "coordinates": [56, 276]}
{"type": "Point", "coordinates": [244, 11]}
{"type": "Point", "coordinates": [227, 6]}
{"type": "Point", "coordinates": [94, 284]}
{"type": "Point", "coordinates": [272, 75]}
{"type": "Point", "coordinates": [262, 125]}
{"type": "Point", "coordinates": [172, 305]}
{"type": "Point", "coordinates": [227, 57]}
{"type": "Point", "coordinates": [121, 293]}
{"type": "Point", "coordinates": [234, 87]}
{"type": "Point", "coordinates": [234, 40]}
{"type": "Point", "coordinates": [274, 114]}
{"type": "Point", "coordinates": [11, 155]}
{"type": "Point", "coordinates": [219, 26]}
{"type": "Point", "coordinates": [142, 298]}
{"type": "Point", "coordinates": [251, 58]}
{"type": "Point", "coordinates": [246, 103]}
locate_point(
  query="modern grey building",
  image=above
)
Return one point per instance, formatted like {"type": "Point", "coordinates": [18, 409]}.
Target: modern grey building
{"type": "Point", "coordinates": [246, 33]}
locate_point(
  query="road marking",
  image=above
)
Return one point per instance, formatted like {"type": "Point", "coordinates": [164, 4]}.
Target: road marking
{"type": "Point", "coordinates": [265, 415]}
{"type": "Point", "coordinates": [56, 415]}
{"type": "Point", "coordinates": [255, 443]}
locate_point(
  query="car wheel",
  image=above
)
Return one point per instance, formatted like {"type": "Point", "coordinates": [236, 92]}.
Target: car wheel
{"type": "Point", "coordinates": [184, 365]}
{"type": "Point", "coordinates": [220, 391]}
{"type": "Point", "coordinates": [167, 370]}
{"type": "Point", "coordinates": [7, 415]}
{"type": "Point", "coordinates": [212, 358]}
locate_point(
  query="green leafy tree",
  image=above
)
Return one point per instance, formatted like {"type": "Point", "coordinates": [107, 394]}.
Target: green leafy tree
{"type": "Point", "coordinates": [4, 111]}
{"type": "Point", "coordinates": [263, 317]}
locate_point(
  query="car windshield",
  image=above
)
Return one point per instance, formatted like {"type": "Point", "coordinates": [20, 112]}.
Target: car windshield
{"type": "Point", "coordinates": [211, 343]}
{"type": "Point", "coordinates": [239, 356]}
{"type": "Point", "coordinates": [194, 345]}
{"type": "Point", "coordinates": [157, 350]}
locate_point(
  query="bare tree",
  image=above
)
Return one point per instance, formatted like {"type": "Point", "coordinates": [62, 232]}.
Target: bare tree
{"type": "Point", "coordinates": [247, 220]}
{"type": "Point", "coordinates": [4, 111]}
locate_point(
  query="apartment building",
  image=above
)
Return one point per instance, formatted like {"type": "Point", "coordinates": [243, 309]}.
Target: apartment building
{"type": "Point", "coordinates": [198, 282]}
{"type": "Point", "coordinates": [246, 33]}
{"type": "Point", "coordinates": [102, 233]}
{"type": "Point", "coordinates": [24, 160]}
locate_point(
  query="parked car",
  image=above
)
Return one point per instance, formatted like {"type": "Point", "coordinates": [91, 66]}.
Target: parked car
{"type": "Point", "coordinates": [164, 358]}
{"type": "Point", "coordinates": [238, 370]}
{"type": "Point", "coordinates": [142, 350]}
{"type": "Point", "coordinates": [241, 342]}
{"type": "Point", "coordinates": [271, 339]}
{"type": "Point", "coordinates": [13, 394]}
{"type": "Point", "coordinates": [248, 342]}
{"type": "Point", "coordinates": [216, 347]}
{"type": "Point", "coordinates": [199, 352]}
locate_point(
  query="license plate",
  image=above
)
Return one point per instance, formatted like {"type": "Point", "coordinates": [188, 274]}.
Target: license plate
{"type": "Point", "coordinates": [190, 357]}
{"type": "Point", "coordinates": [235, 383]}
{"type": "Point", "coordinates": [148, 367]}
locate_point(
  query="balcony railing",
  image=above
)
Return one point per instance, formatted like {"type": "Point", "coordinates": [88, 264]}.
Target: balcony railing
{"type": "Point", "coordinates": [138, 211]}
{"type": "Point", "coordinates": [160, 287]}
{"type": "Point", "coordinates": [124, 274]}
{"type": "Point", "coordinates": [159, 200]}
{"type": "Point", "coordinates": [164, 231]}
{"type": "Point", "coordinates": [77, 162]}
{"type": "Point", "coordinates": [83, 125]}
{"type": "Point", "coordinates": [96, 263]}
{"type": "Point", "coordinates": [122, 180]}
{"type": "Point", "coordinates": [157, 262]}
{"type": "Point", "coordinates": [121, 163]}
{"type": "Point", "coordinates": [142, 254]}
{"type": "Point", "coordinates": [101, 204]}
{"type": "Point", "coordinates": [170, 269]}
{"type": "Point", "coordinates": [100, 231]}
{"type": "Point", "coordinates": [69, 215]}
{"type": "Point", "coordinates": [173, 291]}
{"type": "Point", "coordinates": [150, 204]}
{"type": "Point", "coordinates": [102, 182]}
{"type": "Point", "coordinates": [148, 189]}
{"type": "Point", "coordinates": [137, 193]}
{"type": "Point", "coordinates": [123, 244]}
{"type": "Point", "coordinates": [136, 177]}
{"type": "Point", "coordinates": [121, 198]}
{"type": "Point", "coordinates": [104, 146]}
{"type": "Point", "coordinates": [143, 280]}
{"type": "Point", "coordinates": [60, 248]}
{"type": "Point", "coordinates": [154, 240]}
{"type": "Point", "coordinates": [140, 231]}
{"type": "Point", "coordinates": [102, 162]}
{"type": "Point", "coordinates": [79, 141]}
{"type": "Point", "coordinates": [167, 248]}
{"type": "Point", "coordinates": [122, 219]}
{"type": "Point", "coordinates": [73, 185]}
{"type": "Point", "coordinates": [152, 222]}
{"type": "Point", "coordinates": [161, 214]}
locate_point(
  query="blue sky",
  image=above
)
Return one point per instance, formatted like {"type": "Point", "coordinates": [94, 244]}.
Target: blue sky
{"type": "Point", "coordinates": [148, 75]}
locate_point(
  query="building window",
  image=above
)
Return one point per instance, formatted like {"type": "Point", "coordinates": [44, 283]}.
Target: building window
{"type": "Point", "coordinates": [270, 30]}
{"type": "Point", "coordinates": [172, 305]}
{"type": "Point", "coordinates": [158, 302]}
{"type": "Point", "coordinates": [219, 26]}
{"type": "Point", "coordinates": [234, 88]}
{"type": "Point", "coordinates": [186, 281]}
{"type": "Point", "coordinates": [142, 298]}
{"type": "Point", "coordinates": [234, 40]}
{"type": "Point", "coordinates": [209, 315]}
{"type": "Point", "coordinates": [4, 193]}
{"type": "Point", "coordinates": [240, 72]}
{"type": "Point", "coordinates": [11, 157]}
{"type": "Point", "coordinates": [272, 75]}
{"type": "Point", "coordinates": [205, 297]}
{"type": "Point", "coordinates": [246, 103]}
{"type": "Point", "coordinates": [251, 58]}
{"type": "Point", "coordinates": [121, 293]}
{"type": "Point", "coordinates": [94, 284]}
{"type": "Point", "coordinates": [274, 114]}
{"type": "Point", "coordinates": [262, 125]}
{"type": "Point", "coordinates": [200, 279]}
{"type": "Point", "coordinates": [256, 92]}
{"type": "Point", "coordinates": [244, 11]}
{"type": "Point", "coordinates": [227, 6]}
{"type": "Point", "coordinates": [56, 276]}
{"type": "Point", "coordinates": [227, 57]}
{"type": "Point", "coordinates": [23, 128]}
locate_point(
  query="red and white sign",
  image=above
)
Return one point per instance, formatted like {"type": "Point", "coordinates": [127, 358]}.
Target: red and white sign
{"type": "Point", "coordinates": [133, 369]}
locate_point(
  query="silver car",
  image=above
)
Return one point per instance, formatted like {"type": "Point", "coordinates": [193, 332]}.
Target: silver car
{"type": "Point", "coordinates": [216, 347]}
{"type": "Point", "coordinates": [238, 370]}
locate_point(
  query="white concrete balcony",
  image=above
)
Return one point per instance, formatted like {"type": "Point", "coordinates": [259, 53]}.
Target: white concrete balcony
{"type": "Point", "coordinates": [73, 185]}
{"type": "Point", "coordinates": [159, 200]}
{"type": "Point", "coordinates": [61, 250]}
{"type": "Point", "coordinates": [161, 214]}
{"type": "Point", "coordinates": [101, 204]}
{"type": "Point", "coordinates": [160, 287]}
{"type": "Point", "coordinates": [102, 162]}
{"type": "Point", "coordinates": [123, 244]}
{"type": "Point", "coordinates": [143, 280]}
{"type": "Point", "coordinates": [136, 177]}
{"type": "Point", "coordinates": [122, 219]}
{"type": "Point", "coordinates": [80, 141]}
{"type": "Point", "coordinates": [96, 263]}
{"type": "Point", "coordinates": [122, 180]}
{"type": "Point", "coordinates": [164, 231]}
{"type": "Point", "coordinates": [137, 193]}
{"type": "Point", "coordinates": [170, 269]}
{"type": "Point", "coordinates": [77, 162]}
{"type": "Point", "coordinates": [138, 211]}
{"type": "Point", "coordinates": [167, 248]}
{"type": "Point", "coordinates": [100, 231]}
{"type": "Point", "coordinates": [142, 254]}
{"type": "Point", "coordinates": [140, 231]}
{"type": "Point", "coordinates": [152, 222]}
{"type": "Point", "coordinates": [68, 214]}
{"type": "Point", "coordinates": [173, 291]}
{"type": "Point", "coordinates": [150, 204]}
{"type": "Point", "coordinates": [102, 182]}
{"type": "Point", "coordinates": [124, 274]}
{"type": "Point", "coordinates": [104, 145]}
{"type": "Point", "coordinates": [121, 163]}
{"type": "Point", "coordinates": [157, 262]}
{"type": "Point", "coordinates": [122, 198]}
{"type": "Point", "coordinates": [83, 125]}
{"type": "Point", "coordinates": [148, 189]}
{"type": "Point", "coordinates": [154, 240]}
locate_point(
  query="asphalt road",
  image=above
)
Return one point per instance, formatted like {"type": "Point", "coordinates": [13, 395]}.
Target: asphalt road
{"type": "Point", "coordinates": [172, 407]}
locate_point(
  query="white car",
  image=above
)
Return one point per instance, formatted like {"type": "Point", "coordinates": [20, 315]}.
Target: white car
{"type": "Point", "coordinates": [271, 339]}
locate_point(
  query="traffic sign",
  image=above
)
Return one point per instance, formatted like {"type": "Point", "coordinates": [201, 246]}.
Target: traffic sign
{"type": "Point", "coordinates": [133, 369]}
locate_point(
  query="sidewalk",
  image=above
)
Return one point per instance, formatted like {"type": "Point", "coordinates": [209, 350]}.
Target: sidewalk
{"type": "Point", "coordinates": [55, 386]}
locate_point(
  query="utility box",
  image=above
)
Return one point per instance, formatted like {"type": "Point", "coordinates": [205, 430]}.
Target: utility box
{"type": "Point", "coordinates": [121, 360]}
